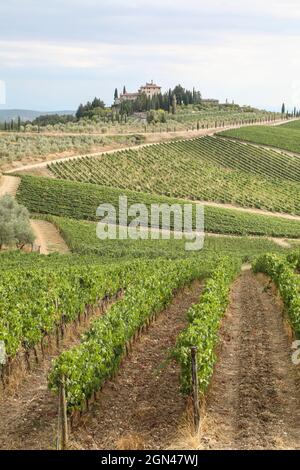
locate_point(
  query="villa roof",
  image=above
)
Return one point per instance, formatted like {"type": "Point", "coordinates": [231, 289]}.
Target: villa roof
{"type": "Point", "coordinates": [150, 85]}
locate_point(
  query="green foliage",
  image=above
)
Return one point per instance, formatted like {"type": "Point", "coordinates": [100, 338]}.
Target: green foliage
{"type": "Point", "coordinates": [80, 201]}
{"type": "Point", "coordinates": [286, 136]}
{"type": "Point", "coordinates": [282, 274]}
{"type": "Point", "coordinates": [16, 147]}
{"type": "Point", "coordinates": [35, 300]}
{"type": "Point", "coordinates": [186, 118]}
{"type": "Point", "coordinates": [81, 238]}
{"type": "Point", "coordinates": [87, 366]}
{"type": "Point", "coordinates": [51, 120]}
{"type": "Point", "coordinates": [156, 116]}
{"type": "Point", "coordinates": [15, 226]}
{"type": "Point", "coordinates": [291, 125]}
{"type": "Point", "coordinates": [89, 108]}
{"type": "Point", "coordinates": [209, 168]}
{"type": "Point", "coordinates": [204, 322]}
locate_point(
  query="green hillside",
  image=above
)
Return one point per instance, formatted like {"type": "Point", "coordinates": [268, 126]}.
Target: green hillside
{"type": "Point", "coordinates": [286, 136]}
{"type": "Point", "coordinates": [209, 169]}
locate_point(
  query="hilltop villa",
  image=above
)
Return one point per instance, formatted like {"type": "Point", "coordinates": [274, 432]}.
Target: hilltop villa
{"type": "Point", "coordinates": [150, 90]}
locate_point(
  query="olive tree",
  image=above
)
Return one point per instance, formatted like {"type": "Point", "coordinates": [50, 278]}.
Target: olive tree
{"type": "Point", "coordinates": [15, 226]}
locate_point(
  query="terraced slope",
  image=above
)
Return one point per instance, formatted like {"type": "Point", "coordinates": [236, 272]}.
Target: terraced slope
{"type": "Point", "coordinates": [286, 136]}
{"type": "Point", "coordinates": [80, 201]}
{"type": "Point", "coordinates": [206, 169]}
{"type": "Point", "coordinates": [81, 238]}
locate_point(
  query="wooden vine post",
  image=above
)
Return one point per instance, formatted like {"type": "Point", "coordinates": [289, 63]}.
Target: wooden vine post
{"type": "Point", "coordinates": [63, 435]}
{"type": "Point", "coordinates": [196, 404]}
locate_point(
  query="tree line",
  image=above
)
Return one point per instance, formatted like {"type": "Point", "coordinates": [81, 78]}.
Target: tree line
{"type": "Point", "coordinates": [167, 101]}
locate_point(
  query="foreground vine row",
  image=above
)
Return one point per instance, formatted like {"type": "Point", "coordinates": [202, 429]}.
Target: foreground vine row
{"type": "Point", "coordinates": [86, 367]}
{"type": "Point", "coordinates": [282, 272]}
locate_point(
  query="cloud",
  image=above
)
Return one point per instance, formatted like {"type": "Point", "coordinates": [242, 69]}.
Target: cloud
{"type": "Point", "coordinates": [235, 49]}
{"type": "Point", "coordinates": [277, 8]}
{"type": "Point", "coordinates": [45, 54]}
{"type": "Point", "coordinates": [246, 50]}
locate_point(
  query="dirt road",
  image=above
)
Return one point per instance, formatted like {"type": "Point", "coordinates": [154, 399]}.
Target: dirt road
{"type": "Point", "coordinates": [48, 238]}
{"type": "Point", "coordinates": [9, 185]}
{"type": "Point", "coordinates": [254, 401]}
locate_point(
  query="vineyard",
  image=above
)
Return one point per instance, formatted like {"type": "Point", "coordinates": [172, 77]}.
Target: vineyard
{"type": "Point", "coordinates": [41, 300]}
{"type": "Point", "coordinates": [80, 201]}
{"type": "Point", "coordinates": [204, 322]}
{"type": "Point", "coordinates": [282, 273]}
{"type": "Point", "coordinates": [108, 336]}
{"type": "Point", "coordinates": [206, 169]}
{"type": "Point", "coordinates": [81, 238]}
{"type": "Point", "coordinates": [286, 136]}
{"type": "Point", "coordinates": [108, 346]}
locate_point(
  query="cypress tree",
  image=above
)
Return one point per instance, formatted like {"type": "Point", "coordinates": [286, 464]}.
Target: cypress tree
{"type": "Point", "coordinates": [174, 104]}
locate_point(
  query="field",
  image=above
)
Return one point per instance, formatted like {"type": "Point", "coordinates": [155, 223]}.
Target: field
{"type": "Point", "coordinates": [19, 147]}
{"type": "Point", "coordinates": [81, 238]}
{"type": "Point", "coordinates": [185, 120]}
{"type": "Point", "coordinates": [291, 125]}
{"type": "Point", "coordinates": [111, 324]}
{"type": "Point", "coordinates": [80, 201]}
{"type": "Point", "coordinates": [208, 169]}
{"type": "Point", "coordinates": [285, 137]}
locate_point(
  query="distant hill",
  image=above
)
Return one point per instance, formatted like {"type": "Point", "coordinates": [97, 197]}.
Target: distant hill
{"type": "Point", "coordinates": [27, 115]}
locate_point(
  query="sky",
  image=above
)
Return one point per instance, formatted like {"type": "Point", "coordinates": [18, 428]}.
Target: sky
{"type": "Point", "coordinates": [56, 54]}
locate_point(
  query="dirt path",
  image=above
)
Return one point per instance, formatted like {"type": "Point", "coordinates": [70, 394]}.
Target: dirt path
{"type": "Point", "coordinates": [143, 406]}
{"type": "Point", "coordinates": [48, 238]}
{"type": "Point", "coordinates": [9, 185]}
{"type": "Point", "coordinates": [254, 400]}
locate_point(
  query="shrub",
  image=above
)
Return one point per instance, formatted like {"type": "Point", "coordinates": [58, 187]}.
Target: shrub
{"type": "Point", "coordinates": [15, 226]}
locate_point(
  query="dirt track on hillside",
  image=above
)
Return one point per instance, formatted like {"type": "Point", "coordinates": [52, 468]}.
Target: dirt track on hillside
{"type": "Point", "coordinates": [9, 185]}
{"type": "Point", "coordinates": [48, 239]}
